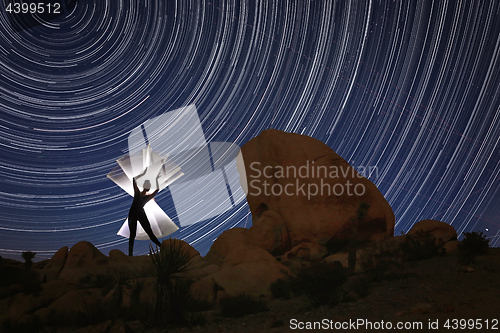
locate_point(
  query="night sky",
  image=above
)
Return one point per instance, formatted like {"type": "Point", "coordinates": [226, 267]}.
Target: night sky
{"type": "Point", "coordinates": [409, 87]}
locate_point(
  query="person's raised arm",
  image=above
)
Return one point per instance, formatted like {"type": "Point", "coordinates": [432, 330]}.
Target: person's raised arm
{"type": "Point", "coordinates": [136, 188]}
{"type": "Point", "coordinates": [134, 181]}
{"type": "Point", "coordinates": [157, 186]}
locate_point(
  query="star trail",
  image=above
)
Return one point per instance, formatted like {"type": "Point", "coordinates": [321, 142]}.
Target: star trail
{"type": "Point", "coordinates": [409, 87]}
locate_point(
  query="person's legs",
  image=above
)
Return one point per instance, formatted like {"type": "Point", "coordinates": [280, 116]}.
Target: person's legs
{"type": "Point", "coordinates": [147, 228]}
{"type": "Point", "coordinates": [132, 225]}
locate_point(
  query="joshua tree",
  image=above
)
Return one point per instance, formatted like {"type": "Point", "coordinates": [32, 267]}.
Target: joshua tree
{"type": "Point", "coordinates": [27, 256]}
{"type": "Point", "coordinates": [354, 241]}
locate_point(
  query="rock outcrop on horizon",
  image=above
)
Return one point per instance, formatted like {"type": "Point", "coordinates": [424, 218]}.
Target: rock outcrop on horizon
{"type": "Point", "coordinates": [443, 232]}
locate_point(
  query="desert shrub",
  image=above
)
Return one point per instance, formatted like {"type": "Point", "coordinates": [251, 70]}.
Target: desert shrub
{"type": "Point", "coordinates": [113, 279]}
{"type": "Point", "coordinates": [29, 325]}
{"type": "Point", "coordinates": [420, 246]}
{"type": "Point", "coordinates": [27, 280]}
{"type": "Point", "coordinates": [217, 287]}
{"type": "Point", "coordinates": [106, 282]}
{"type": "Point", "coordinates": [381, 261]}
{"type": "Point", "coordinates": [116, 280]}
{"type": "Point", "coordinates": [473, 244]}
{"type": "Point", "coordinates": [199, 305]}
{"type": "Point", "coordinates": [466, 257]}
{"type": "Point", "coordinates": [141, 311]}
{"type": "Point", "coordinates": [30, 283]}
{"type": "Point", "coordinates": [240, 306]}
{"type": "Point", "coordinates": [334, 245]}
{"type": "Point", "coordinates": [359, 284]}
{"type": "Point", "coordinates": [321, 282]}
{"type": "Point", "coordinates": [11, 275]}
{"type": "Point", "coordinates": [93, 314]}
{"type": "Point", "coordinates": [281, 288]}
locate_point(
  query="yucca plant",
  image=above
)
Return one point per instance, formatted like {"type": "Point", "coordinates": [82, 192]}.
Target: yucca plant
{"type": "Point", "coordinates": [173, 293]}
{"type": "Point", "coordinates": [122, 281]}
{"type": "Point", "coordinates": [135, 294]}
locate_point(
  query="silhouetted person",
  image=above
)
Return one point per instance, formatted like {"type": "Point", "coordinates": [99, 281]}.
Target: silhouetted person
{"type": "Point", "coordinates": [137, 212]}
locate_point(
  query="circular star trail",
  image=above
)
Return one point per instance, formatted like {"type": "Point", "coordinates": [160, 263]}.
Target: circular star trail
{"type": "Point", "coordinates": [408, 88]}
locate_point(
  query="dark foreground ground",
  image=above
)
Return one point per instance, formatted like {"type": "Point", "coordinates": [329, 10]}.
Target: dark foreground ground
{"type": "Point", "coordinates": [439, 294]}
{"type": "Point", "coordinates": [433, 292]}
{"type": "Point", "coordinates": [434, 295]}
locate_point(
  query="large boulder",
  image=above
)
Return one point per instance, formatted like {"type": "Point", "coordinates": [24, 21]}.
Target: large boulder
{"type": "Point", "coordinates": [131, 266]}
{"type": "Point", "coordinates": [55, 265]}
{"type": "Point", "coordinates": [21, 304]}
{"type": "Point", "coordinates": [300, 191]}
{"type": "Point", "coordinates": [225, 243]}
{"type": "Point", "coordinates": [246, 270]}
{"type": "Point", "coordinates": [307, 252]}
{"type": "Point", "coordinates": [438, 229]}
{"type": "Point", "coordinates": [74, 303]}
{"type": "Point", "coordinates": [83, 260]}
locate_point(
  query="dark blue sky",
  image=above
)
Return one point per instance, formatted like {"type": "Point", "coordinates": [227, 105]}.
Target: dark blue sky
{"type": "Point", "coordinates": [409, 87]}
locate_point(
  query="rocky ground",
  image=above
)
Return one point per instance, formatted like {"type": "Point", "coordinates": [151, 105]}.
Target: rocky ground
{"type": "Point", "coordinates": [427, 291]}
{"type": "Point", "coordinates": [437, 289]}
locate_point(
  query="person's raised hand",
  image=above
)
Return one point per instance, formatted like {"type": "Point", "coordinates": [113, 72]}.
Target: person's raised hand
{"type": "Point", "coordinates": [142, 174]}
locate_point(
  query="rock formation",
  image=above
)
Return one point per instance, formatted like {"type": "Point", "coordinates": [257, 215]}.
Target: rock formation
{"type": "Point", "coordinates": [301, 192]}
{"type": "Point", "coordinates": [55, 265]}
{"type": "Point", "coordinates": [443, 232]}
{"type": "Point", "coordinates": [247, 270]}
